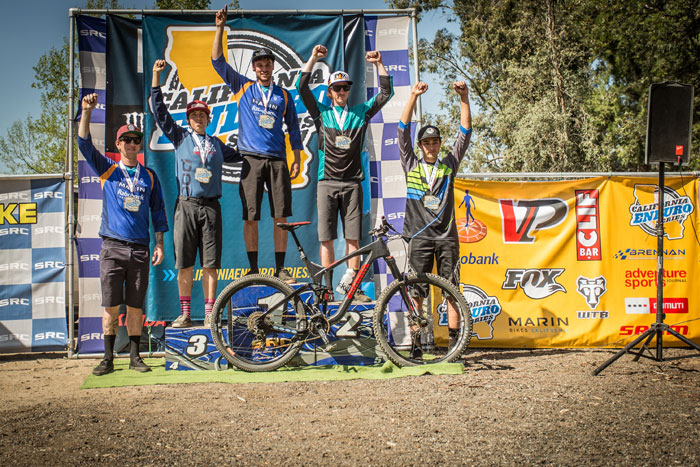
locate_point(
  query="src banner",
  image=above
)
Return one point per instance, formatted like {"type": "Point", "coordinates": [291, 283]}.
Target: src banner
{"type": "Point", "coordinates": [573, 263]}
{"type": "Point", "coordinates": [32, 265]}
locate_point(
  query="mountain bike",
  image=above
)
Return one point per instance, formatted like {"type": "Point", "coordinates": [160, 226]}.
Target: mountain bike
{"type": "Point", "coordinates": [259, 323]}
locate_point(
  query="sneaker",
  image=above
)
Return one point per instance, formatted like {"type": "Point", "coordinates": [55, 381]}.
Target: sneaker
{"type": "Point", "coordinates": [138, 365]}
{"type": "Point", "coordinates": [105, 366]}
{"type": "Point", "coordinates": [182, 321]}
{"type": "Point", "coordinates": [361, 297]}
{"type": "Point", "coordinates": [283, 275]}
{"type": "Point", "coordinates": [207, 321]}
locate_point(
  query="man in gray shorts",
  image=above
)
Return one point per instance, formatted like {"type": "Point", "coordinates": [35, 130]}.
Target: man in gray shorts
{"type": "Point", "coordinates": [341, 137]}
{"type": "Point", "coordinates": [130, 192]}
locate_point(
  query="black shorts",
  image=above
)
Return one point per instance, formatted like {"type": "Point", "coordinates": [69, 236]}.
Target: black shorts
{"type": "Point", "coordinates": [123, 273]}
{"type": "Point", "coordinates": [258, 172]}
{"type": "Point", "coordinates": [197, 227]}
{"type": "Point", "coordinates": [423, 252]}
{"type": "Point", "coordinates": [334, 197]}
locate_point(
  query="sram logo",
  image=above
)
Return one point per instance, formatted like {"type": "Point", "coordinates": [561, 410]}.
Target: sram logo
{"type": "Point", "coordinates": [635, 330]}
{"type": "Point", "coordinates": [522, 218]}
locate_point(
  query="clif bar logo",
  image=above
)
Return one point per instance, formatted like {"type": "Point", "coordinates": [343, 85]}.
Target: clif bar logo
{"type": "Point", "coordinates": [587, 226]}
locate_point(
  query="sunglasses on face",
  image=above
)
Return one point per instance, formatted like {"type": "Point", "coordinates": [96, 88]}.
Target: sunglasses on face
{"type": "Point", "coordinates": [131, 139]}
{"type": "Point", "coordinates": [340, 87]}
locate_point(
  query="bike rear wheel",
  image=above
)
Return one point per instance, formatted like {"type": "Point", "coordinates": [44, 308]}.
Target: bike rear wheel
{"type": "Point", "coordinates": [408, 338]}
{"type": "Point", "coordinates": [246, 338]}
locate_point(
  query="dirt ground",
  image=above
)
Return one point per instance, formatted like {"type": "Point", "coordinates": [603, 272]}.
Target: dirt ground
{"type": "Point", "coordinates": [510, 407]}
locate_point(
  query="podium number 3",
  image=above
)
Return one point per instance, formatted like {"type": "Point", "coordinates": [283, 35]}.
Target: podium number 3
{"type": "Point", "coordinates": [197, 345]}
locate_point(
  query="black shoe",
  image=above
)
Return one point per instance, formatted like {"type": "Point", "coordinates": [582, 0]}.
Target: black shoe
{"type": "Point", "coordinates": [138, 365]}
{"type": "Point", "coordinates": [416, 352]}
{"type": "Point", "coordinates": [105, 366]}
{"type": "Point", "coordinates": [284, 276]}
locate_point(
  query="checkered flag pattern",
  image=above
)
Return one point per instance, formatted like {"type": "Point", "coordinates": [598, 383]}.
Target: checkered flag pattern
{"type": "Point", "coordinates": [389, 36]}
{"type": "Point", "coordinates": [32, 265]}
{"type": "Point", "coordinates": [92, 45]}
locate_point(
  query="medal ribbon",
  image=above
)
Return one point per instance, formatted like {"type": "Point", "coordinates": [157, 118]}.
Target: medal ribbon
{"type": "Point", "coordinates": [265, 97]}
{"type": "Point", "coordinates": [129, 182]}
{"type": "Point", "coordinates": [430, 180]}
{"type": "Point", "coordinates": [340, 118]}
{"type": "Point", "coordinates": [203, 151]}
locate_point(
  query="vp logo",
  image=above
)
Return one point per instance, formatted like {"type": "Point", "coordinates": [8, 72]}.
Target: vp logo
{"type": "Point", "coordinates": [536, 283]}
{"type": "Point", "coordinates": [591, 289]}
{"type": "Point", "coordinates": [522, 217]}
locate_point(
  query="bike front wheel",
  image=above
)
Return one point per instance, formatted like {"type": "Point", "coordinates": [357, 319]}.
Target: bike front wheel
{"type": "Point", "coordinates": [248, 337]}
{"type": "Point", "coordinates": [413, 316]}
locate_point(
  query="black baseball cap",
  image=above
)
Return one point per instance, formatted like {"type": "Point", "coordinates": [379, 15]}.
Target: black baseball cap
{"type": "Point", "coordinates": [428, 131]}
{"type": "Point", "coordinates": [262, 53]}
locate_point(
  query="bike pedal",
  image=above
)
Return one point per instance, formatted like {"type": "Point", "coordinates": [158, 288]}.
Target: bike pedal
{"type": "Point", "coordinates": [329, 347]}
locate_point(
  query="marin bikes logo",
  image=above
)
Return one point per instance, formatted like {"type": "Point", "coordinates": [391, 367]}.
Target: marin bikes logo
{"type": "Point", "coordinates": [536, 283]}
{"type": "Point", "coordinates": [484, 308]}
{"type": "Point", "coordinates": [587, 226]}
{"type": "Point", "coordinates": [645, 210]}
{"type": "Point", "coordinates": [522, 218]}
{"type": "Point", "coordinates": [591, 289]}
{"type": "Point", "coordinates": [186, 82]}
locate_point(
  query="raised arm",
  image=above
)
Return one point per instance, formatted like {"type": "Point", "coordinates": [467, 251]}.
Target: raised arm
{"type": "Point", "coordinates": [303, 84]}
{"type": "Point", "coordinates": [88, 103]}
{"type": "Point", "coordinates": [386, 86]}
{"type": "Point", "coordinates": [419, 88]}
{"type": "Point", "coordinates": [465, 118]}
{"type": "Point", "coordinates": [164, 120]}
{"type": "Point", "coordinates": [318, 53]}
{"type": "Point", "coordinates": [374, 57]}
{"type": "Point", "coordinates": [216, 49]}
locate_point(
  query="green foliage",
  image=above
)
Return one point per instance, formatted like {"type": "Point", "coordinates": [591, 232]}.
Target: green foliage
{"type": "Point", "coordinates": [182, 4]}
{"type": "Point", "coordinates": [562, 86]}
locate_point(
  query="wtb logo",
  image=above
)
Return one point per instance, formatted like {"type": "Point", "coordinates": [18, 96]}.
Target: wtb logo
{"type": "Point", "coordinates": [591, 289]}
{"type": "Point", "coordinates": [536, 283]}
{"type": "Point", "coordinates": [522, 217]}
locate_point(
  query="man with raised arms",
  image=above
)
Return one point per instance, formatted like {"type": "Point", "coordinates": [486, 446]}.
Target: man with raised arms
{"type": "Point", "coordinates": [130, 192]}
{"type": "Point", "coordinates": [341, 137]}
{"type": "Point", "coordinates": [263, 108]}
{"type": "Point", "coordinates": [430, 214]}
{"type": "Point", "coordinates": [198, 163]}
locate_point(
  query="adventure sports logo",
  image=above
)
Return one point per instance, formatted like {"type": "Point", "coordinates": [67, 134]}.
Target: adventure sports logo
{"type": "Point", "coordinates": [523, 217]}
{"type": "Point", "coordinates": [470, 230]}
{"type": "Point", "coordinates": [536, 283]}
{"type": "Point", "coordinates": [189, 78]}
{"type": "Point", "coordinates": [645, 210]}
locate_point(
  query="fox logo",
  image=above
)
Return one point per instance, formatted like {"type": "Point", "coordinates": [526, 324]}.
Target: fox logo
{"type": "Point", "coordinates": [591, 289]}
{"type": "Point", "coordinates": [536, 283]}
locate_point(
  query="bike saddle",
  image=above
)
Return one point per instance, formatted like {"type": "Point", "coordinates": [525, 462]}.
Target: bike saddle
{"type": "Point", "coordinates": [291, 226]}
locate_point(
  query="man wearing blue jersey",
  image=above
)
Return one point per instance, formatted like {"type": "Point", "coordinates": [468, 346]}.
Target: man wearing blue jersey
{"type": "Point", "coordinates": [263, 108]}
{"type": "Point", "coordinates": [198, 163]}
{"type": "Point", "coordinates": [130, 192]}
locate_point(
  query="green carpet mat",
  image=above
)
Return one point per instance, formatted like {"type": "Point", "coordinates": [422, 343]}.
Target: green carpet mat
{"type": "Point", "coordinates": [122, 376]}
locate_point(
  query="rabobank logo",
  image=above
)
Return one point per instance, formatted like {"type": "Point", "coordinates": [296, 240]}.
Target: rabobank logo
{"type": "Point", "coordinates": [188, 80]}
{"type": "Point", "coordinates": [644, 210]}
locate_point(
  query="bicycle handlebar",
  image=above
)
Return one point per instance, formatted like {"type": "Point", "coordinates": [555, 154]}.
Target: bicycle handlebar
{"type": "Point", "coordinates": [383, 229]}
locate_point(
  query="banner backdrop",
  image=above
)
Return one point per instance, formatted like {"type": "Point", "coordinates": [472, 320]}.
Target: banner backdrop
{"type": "Point", "coordinates": [185, 43]}
{"type": "Point", "coordinates": [32, 265]}
{"type": "Point", "coordinates": [573, 263]}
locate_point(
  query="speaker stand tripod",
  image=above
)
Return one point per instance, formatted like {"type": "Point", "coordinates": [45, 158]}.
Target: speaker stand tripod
{"type": "Point", "coordinates": [658, 328]}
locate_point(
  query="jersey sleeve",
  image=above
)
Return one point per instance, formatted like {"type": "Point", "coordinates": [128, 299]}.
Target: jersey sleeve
{"type": "Point", "coordinates": [290, 118]}
{"type": "Point", "coordinates": [408, 156]}
{"type": "Point", "coordinates": [174, 132]}
{"type": "Point", "coordinates": [230, 154]}
{"type": "Point", "coordinates": [308, 98]}
{"type": "Point", "coordinates": [157, 205]}
{"type": "Point", "coordinates": [99, 163]}
{"type": "Point", "coordinates": [231, 77]}
{"type": "Point", "coordinates": [386, 92]}
{"type": "Point", "coordinates": [461, 144]}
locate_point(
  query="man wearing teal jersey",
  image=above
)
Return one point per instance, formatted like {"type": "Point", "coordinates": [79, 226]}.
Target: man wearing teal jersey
{"type": "Point", "coordinates": [341, 138]}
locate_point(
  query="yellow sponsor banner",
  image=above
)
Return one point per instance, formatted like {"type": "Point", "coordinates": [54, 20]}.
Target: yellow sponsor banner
{"type": "Point", "coordinates": [574, 263]}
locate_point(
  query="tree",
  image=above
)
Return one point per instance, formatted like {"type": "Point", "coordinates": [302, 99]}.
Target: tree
{"type": "Point", "coordinates": [562, 86]}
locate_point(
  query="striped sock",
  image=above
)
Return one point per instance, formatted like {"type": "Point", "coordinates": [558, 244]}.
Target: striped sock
{"type": "Point", "coordinates": [208, 306]}
{"type": "Point", "coordinates": [185, 305]}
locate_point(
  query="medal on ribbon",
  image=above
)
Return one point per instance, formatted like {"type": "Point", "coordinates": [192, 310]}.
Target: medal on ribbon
{"type": "Point", "coordinates": [131, 203]}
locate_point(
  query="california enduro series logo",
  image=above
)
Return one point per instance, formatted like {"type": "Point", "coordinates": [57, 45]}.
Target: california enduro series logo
{"type": "Point", "coordinates": [484, 308]}
{"type": "Point", "coordinates": [645, 210]}
{"type": "Point", "coordinates": [587, 226]}
{"type": "Point", "coordinates": [536, 283]}
{"type": "Point", "coordinates": [522, 218]}
{"type": "Point", "coordinates": [186, 81]}
{"type": "Point", "coordinates": [591, 290]}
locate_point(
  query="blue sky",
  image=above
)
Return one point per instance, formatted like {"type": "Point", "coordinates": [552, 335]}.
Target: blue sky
{"type": "Point", "coordinates": [30, 28]}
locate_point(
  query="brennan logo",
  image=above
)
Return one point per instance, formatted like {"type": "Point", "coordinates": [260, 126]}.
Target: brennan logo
{"type": "Point", "coordinates": [536, 283]}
